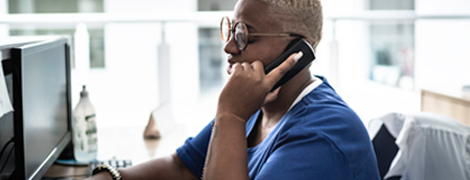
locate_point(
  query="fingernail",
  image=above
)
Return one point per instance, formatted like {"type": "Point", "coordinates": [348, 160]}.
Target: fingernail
{"type": "Point", "coordinates": [298, 56]}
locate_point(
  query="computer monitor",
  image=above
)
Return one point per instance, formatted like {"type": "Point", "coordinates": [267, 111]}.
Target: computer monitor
{"type": "Point", "coordinates": [37, 75]}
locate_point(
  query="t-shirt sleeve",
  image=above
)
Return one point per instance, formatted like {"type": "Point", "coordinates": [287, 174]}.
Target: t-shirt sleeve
{"type": "Point", "coordinates": [305, 154]}
{"type": "Point", "coordinates": [193, 152]}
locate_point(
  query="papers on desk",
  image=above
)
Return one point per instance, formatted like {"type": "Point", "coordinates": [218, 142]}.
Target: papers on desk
{"type": "Point", "coordinates": [5, 103]}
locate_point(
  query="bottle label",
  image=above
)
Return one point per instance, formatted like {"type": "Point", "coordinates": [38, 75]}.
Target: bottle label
{"type": "Point", "coordinates": [85, 134]}
{"type": "Point", "coordinates": [91, 133]}
{"type": "Point", "coordinates": [78, 135]}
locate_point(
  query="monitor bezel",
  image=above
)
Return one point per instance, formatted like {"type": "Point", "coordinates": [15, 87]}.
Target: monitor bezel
{"type": "Point", "coordinates": [16, 54]}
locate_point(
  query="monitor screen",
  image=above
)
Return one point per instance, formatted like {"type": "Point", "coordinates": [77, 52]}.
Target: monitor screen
{"type": "Point", "coordinates": [41, 103]}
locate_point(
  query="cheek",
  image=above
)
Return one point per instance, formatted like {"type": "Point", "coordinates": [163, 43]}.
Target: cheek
{"type": "Point", "coordinates": [266, 53]}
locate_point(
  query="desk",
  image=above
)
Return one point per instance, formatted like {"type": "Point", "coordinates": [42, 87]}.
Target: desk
{"type": "Point", "coordinates": [452, 104]}
{"type": "Point", "coordinates": [125, 143]}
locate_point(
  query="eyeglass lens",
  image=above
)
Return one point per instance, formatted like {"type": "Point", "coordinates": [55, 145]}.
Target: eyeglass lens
{"type": "Point", "coordinates": [225, 29]}
{"type": "Point", "coordinates": [240, 34]}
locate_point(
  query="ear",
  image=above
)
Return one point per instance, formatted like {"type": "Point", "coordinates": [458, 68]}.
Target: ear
{"type": "Point", "coordinates": [312, 43]}
{"type": "Point", "coordinates": [309, 41]}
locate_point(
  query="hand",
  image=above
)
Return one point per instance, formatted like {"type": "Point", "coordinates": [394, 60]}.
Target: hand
{"type": "Point", "coordinates": [247, 88]}
{"type": "Point", "coordinates": [101, 176]}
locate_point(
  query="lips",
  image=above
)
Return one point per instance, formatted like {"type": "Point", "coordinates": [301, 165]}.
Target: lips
{"type": "Point", "coordinates": [230, 64]}
{"type": "Point", "coordinates": [229, 69]}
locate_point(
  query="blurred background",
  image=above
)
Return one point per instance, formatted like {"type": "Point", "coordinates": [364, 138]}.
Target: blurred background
{"type": "Point", "coordinates": [136, 56]}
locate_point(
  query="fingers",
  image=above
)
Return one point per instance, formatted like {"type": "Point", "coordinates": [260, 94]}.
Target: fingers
{"type": "Point", "coordinates": [236, 67]}
{"type": "Point", "coordinates": [276, 74]}
{"type": "Point", "coordinates": [241, 67]}
{"type": "Point", "coordinates": [258, 66]}
{"type": "Point", "coordinates": [247, 66]}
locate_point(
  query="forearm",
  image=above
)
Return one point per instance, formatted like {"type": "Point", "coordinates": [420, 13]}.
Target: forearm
{"type": "Point", "coordinates": [227, 152]}
{"type": "Point", "coordinates": [243, 94]}
{"type": "Point", "coordinates": [169, 167]}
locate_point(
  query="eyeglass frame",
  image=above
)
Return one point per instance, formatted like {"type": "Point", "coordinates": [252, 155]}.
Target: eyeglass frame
{"type": "Point", "coordinates": [248, 34]}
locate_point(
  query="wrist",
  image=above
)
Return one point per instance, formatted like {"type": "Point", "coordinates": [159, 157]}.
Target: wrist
{"type": "Point", "coordinates": [101, 176]}
{"type": "Point", "coordinates": [109, 170]}
{"type": "Point", "coordinates": [230, 121]}
{"type": "Point", "coordinates": [231, 111]}
{"type": "Point", "coordinates": [230, 117]}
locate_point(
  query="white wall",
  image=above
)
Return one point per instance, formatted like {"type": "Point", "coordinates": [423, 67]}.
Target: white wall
{"type": "Point", "coordinates": [4, 30]}
{"type": "Point", "coordinates": [343, 6]}
{"type": "Point", "coordinates": [352, 38]}
{"type": "Point", "coordinates": [184, 70]}
{"type": "Point", "coordinates": [149, 6]}
{"type": "Point", "coordinates": [442, 61]}
{"type": "Point", "coordinates": [443, 46]}
{"type": "Point", "coordinates": [125, 92]}
{"type": "Point", "coordinates": [442, 7]}
{"type": "Point", "coordinates": [3, 6]}
{"type": "Point", "coordinates": [369, 99]}
{"type": "Point", "coordinates": [443, 53]}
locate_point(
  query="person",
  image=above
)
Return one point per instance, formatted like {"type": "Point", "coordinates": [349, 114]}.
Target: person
{"type": "Point", "coordinates": [301, 130]}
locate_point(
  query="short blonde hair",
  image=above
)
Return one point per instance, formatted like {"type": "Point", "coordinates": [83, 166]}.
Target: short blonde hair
{"type": "Point", "coordinates": [303, 17]}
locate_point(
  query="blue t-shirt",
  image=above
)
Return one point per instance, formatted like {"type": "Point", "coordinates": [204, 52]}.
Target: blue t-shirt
{"type": "Point", "coordinates": [319, 138]}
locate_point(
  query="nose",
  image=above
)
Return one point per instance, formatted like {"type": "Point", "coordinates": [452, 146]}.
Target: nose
{"type": "Point", "coordinates": [231, 47]}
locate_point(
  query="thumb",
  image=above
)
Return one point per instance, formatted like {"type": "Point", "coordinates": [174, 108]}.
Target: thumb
{"type": "Point", "coordinates": [277, 73]}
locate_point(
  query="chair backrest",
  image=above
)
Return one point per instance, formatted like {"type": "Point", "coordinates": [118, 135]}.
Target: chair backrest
{"type": "Point", "coordinates": [430, 146]}
{"type": "Point", "coordinates": [385, 149]}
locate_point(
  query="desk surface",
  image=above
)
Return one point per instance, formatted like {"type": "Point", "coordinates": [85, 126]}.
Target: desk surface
{"type": "Point", "coordinates": [452, 104]}
{"type": "Point", "coordinates": [125, 143]}
{"type": "Point", "coordinates": [456, 94]}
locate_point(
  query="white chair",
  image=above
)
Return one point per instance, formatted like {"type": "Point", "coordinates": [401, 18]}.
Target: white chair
{"type": "Point", "coordinates": [429, 146]}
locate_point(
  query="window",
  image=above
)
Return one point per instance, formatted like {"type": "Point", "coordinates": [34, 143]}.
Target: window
{"type": "Point", "coordinates": [97, 55]}
{"type": "Point", "coordinates": [392, 46]}
{"type": "Point", "coordinates": [211, 58]}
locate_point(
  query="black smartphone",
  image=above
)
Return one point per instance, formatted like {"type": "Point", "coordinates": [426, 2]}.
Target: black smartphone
{"type": "Point", "coordinates": [296, 45]}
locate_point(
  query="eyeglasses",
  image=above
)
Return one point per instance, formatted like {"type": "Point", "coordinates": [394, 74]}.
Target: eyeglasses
{"type": "Point", "coordinates": [241, 34]}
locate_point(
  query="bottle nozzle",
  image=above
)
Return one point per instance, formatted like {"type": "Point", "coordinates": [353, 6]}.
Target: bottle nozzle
{"type": "Point", "coordinates": [84, 92]}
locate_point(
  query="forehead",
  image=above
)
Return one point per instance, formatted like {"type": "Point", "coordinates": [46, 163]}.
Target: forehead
{"type": "Point", "coordinates": [256, 14]}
